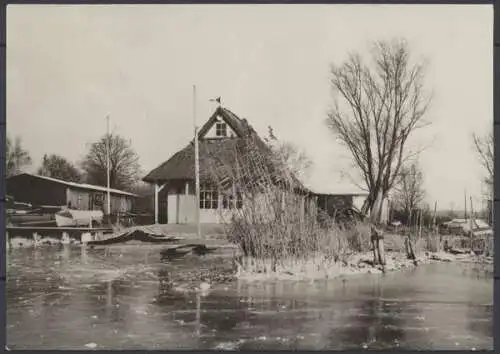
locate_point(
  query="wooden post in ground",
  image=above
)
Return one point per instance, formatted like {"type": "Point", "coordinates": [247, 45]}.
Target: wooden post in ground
{"type": "Point", "coordinates": [471, 222]}
{"type": "Point", "coordinates": [196, 166]}
{"type": "Point", "coordinates": [435, 230]}
{"type": "Point", "coordinates": [65, 240]}
{"type": "Point", "coordinates": [377, 238]}
{"type": "Point", "coordinates": [36, 239]}
{"type": "Point", "coordinates": [420, 224]}
{"type": "Point", "coordinates": [198, 314]}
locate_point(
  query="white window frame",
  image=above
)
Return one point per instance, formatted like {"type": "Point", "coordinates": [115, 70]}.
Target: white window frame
{"type": "Point", "coordinates": [221, 129]}
{"type": "Point", "coordinates": [209, 198]}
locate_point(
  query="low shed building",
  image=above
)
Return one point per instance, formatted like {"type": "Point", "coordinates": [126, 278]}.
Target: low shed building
{"type": "Point", "coordinates": [46, 191]}
{"type": "Point", "coordinates": [334, 201]}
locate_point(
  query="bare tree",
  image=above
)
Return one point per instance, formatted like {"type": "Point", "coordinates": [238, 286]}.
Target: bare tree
{"type": "Point", "coordinates": [56, 166]}
{"type": "Point", "coordinates": [16, 157]}
{"type": "Point", "coordinates": [484, 146]}
{"type": "Point", "coordinates": [124, 163]}
{"type": "Point", "coordinates": [409, 190]}
{"type": "Point", "coordinates": [377, 106]}
{"type": "Point", "coordinates": [296, 159]}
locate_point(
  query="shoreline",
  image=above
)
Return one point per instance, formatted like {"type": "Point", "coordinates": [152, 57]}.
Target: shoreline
{"type": "Point", "coordinates": [359, 264]}
{"type": "Point", "coordinates": [316, 268]}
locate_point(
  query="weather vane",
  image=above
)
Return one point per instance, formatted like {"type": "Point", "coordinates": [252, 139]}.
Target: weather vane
{"type": "Point", "coordinates": [215, 100]}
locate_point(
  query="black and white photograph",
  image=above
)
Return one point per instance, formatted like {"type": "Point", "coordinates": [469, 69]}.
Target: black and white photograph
{"type": "Point", "coordinates": [249, 177]}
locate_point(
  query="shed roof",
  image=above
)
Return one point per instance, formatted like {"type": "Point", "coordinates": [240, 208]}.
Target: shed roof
{"type": "Point", "coordinates": [76, 185]}
{"type": "Point", "coordinates": [325, 183]}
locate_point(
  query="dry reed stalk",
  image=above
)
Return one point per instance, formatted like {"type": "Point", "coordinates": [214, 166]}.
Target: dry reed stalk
{"type": "Point", "coordinates": [278, 222]}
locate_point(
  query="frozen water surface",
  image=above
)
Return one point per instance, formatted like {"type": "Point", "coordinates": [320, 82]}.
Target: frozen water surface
{"type": "Point", "coordinates": [66, 297]}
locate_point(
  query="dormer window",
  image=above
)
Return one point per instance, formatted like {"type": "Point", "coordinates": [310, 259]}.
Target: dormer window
{"type": "Point", "coordinates": [221, 129]}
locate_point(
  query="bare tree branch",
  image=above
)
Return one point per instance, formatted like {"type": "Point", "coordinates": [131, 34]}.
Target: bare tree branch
{"type": "Point", "coordinates": [377, 106]}
{"type": "Point", "coordinates": [124, 163]}
{"type": "Point", "coordinates": [484, 146]}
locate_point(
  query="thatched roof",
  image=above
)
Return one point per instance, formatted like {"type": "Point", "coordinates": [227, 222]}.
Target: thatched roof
{"type": "Point", "coordinates": [213, 152]}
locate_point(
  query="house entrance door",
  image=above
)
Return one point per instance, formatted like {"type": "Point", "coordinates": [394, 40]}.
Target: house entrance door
{"type": "Point", "coordinates": [163, 211]}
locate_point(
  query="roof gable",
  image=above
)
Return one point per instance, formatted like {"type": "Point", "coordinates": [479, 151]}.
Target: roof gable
{"type": "Point", "coordinates": [237, 125]}
{"type": "Point", "coordinates": [180, 166]}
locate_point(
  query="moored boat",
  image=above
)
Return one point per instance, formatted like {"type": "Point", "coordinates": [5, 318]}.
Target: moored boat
{"type": "Point", "coordinates": [70, 217]}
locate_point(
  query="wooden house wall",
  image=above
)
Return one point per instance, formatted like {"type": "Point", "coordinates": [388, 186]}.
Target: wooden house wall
{"type": "Point", "coordinates": [84, 199]}
{"type": "Point", "coordinates": [330, 203]}
{"type": "Point", "coordinates": [77, 199]}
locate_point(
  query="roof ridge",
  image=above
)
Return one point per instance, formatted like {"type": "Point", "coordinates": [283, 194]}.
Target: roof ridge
{"type": "Point", "coordinates": [75, 184]}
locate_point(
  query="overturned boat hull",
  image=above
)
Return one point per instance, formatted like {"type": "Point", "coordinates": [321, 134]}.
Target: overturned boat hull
{"type": "Point", "coordinates": [135, 235]}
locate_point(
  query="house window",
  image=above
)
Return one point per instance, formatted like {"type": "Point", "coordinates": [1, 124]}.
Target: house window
{"type": "Point", "coordinates": [123, 205]}
{"type": "Point", "coordinates": [230, 202]}
{"type": "Point", "coordinates": [208, 198]}
{"type": "Point", "coordinates": [220, 129]}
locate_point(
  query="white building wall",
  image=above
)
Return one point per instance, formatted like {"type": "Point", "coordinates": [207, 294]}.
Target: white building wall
{"type": "Point", "coordinates": [211, 133]}
{"type": "Point", "coordinates": [358, 201]}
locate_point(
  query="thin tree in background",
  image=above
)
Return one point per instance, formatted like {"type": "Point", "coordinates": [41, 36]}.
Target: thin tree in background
{"type": "Point", "coordinates": [377, 106]}
{"type": "Point", "coordinates": [56, 166]}
{"type": "Point", "coordinates": [124, 163]}
{"type": "Point", "coordinates": [295, 159]}
{"type": "Point", "coordinates": [484, 146]}
{"type": "Point", "coordinates": [409, 189]}
{"type": "Point", "coordinates": [16, 157]}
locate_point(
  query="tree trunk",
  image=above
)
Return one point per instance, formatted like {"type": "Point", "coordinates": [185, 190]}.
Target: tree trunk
{"type": "Point", "coordinates": [381, 250]}
{"type": "Point", "coordinates": [377, 239]}
{"type": "Point", "coordinates": [376, 211]}
{"type": "Point", "coordinates": [375, 249]}
{"type": "Point", "coordinates": [410, 252]}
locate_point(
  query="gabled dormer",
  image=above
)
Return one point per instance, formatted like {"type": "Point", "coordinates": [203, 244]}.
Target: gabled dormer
{"type": "Point", "coordinates": [223, 124]}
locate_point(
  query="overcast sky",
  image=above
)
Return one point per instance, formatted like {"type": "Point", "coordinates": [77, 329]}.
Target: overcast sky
{"type": "Point", "coordinates": [70, 66]}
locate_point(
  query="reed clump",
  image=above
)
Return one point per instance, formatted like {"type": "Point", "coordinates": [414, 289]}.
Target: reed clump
{"type": "Point", "coordinates": [278, 226]}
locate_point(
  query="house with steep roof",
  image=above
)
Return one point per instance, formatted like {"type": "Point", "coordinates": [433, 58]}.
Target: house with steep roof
{"type": "Point", "coordinates": [223, 139]}
{"type": "Point", "coordinates": [224, 136]}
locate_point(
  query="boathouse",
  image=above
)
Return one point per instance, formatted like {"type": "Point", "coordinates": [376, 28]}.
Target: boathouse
{"type": "Point", "coordinates": [337, 199]}
{"type": "Point", "coordinates": [222, 139]}
{"type": "Point", "coordinates": [46, 191]}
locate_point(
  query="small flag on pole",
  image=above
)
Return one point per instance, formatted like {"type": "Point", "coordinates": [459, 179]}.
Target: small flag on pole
{"type": "Point", "coordinates": [215, 100]}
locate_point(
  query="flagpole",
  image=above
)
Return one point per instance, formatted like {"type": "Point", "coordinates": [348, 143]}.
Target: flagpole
{"type": "Point", "coordinates": [196, 165]}
{"type": "Point", "coordinates": [107, 165]}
